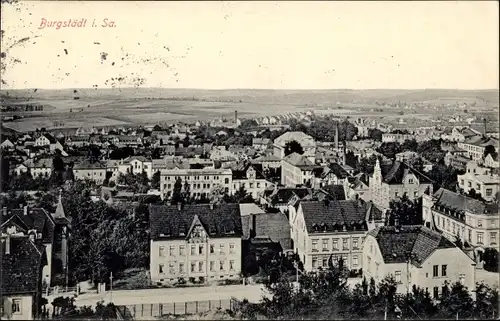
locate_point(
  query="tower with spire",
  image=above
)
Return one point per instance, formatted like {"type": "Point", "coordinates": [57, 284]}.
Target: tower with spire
{"type": "Point", "coordinates": [61, 238]}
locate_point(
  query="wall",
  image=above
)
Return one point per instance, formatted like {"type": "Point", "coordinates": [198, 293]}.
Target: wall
{"type": "Point", "coordinates": [26, 312]}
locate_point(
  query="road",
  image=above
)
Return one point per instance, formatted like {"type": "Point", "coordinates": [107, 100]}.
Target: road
{"type": "Point", "coordinates": [252, 293]}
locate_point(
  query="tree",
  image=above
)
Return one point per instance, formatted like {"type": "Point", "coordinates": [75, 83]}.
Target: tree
{"type": "Point", "coordinates": [456, 300]}
{"type": "Point", "coordinates": [293, 147]}
{"type": "Point", "coordinates": [375, 134]}
{"type": "Point", "coordinates": [490, 149]}
{"type": "Point", "coordinates": [177, 192]}
{"type": "Point", "coordinates": [443, 176]}
{"type": "Point", "coordinates": [486, 302]}
{"type": "Point", "coordinates": [490, 258]}
{"type": "Point", "coordinates": [405, 212]}
{"type": "Point", "coordinates": [409, 145]}
{"type": "Point", "coordinates": [431, 150]}
{"type": "Point", "coordinates": [155, 180]}
{"type": "Point", "coordinates": [389, 149]}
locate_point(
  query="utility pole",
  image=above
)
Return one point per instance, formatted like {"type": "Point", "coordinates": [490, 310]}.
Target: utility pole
{"type": "Point", "coordinates": [111, 287]}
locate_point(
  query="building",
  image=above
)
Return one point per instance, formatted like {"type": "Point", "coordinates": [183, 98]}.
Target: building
{"type": "Point", "coordinates": [357, 187]}
{"type": "Point", "coordinates": [261, 143]}
{"type": "Point", "coordinates": [267, 161]}
{"type": "Point", "coordinates": [196, 243]}
{"type": "Point", "coordinates": [457, 216]}
{"type": "Point", "coordinates": [480, 179]}
{"type": "Point", "coordinates": [200, 182]}
{"type": "Point", "coordinates": [251, 178]}
{"type": "Point", "coordinates": [86, 170]}
{"type": "Point", "coordinates": [307, 142]}
{"type": "Point", "coordinates": [272, 226]}
{"type": "Point", "coordinates": [457, 161]}
{"type": "Point", "coordinates": [40, 167]}
{"type": "Point", "coordinates": [330, 229]}
{"type": "Point", "coordinates": [416, 255]}
{"type": "Point", "coordinates": [51, 230]}
{"type": "Point", "coordinates": [475, 146]}
{"type": "Point", "coordinates": [396, 138]}
{"type": "Point", "coordinates": [391, 182]}
{"type": "Point", "coordinates": [22, 261]}
{"type": "Point", "coordinates": [491, 161]}
{"type": "Point", "coordinates": [296, 170]}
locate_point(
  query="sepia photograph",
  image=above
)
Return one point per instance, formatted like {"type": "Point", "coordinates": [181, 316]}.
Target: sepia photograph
{"type": "Point", "coordinates": [249, 160]}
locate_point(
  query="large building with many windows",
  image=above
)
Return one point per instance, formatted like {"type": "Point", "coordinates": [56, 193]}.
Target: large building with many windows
{"type": "Point", "coordinates": [324, 230]}
{"type": "Point", "coordinates": [480, 179]}
{"type": "Point", "coordinates": [195, 243]}
{"type": "Point", "coordinates": [199, 182]}
{"type": "Point", "coordinates": [475, 146]}
{"type": "Point", "coordinates": [474, 222]}
{"type": "Point", "coordinates": [416, 255]}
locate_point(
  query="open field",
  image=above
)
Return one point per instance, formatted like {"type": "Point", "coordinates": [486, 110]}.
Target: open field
{"type": "Point", "coordinates": [143, 106]}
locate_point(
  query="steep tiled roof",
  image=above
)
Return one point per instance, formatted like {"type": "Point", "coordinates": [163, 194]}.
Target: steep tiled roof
{"type": "Point", "coordinates": [414, 242]}
{"type": "Point", "coordinates": [338, 170]}
{"type": "Point", "coordinates": [272, 225]}
{"type": "Point", "coordinates": [40, 163]}
{"type": "Point", "coordinates": [456, 203]}
{"type": "Point", "coordinates": [299, 161]}
{"type": "Point", "coordinates": [398, 170]}
{"type": "Point", "coordinates": [242, 173]}
{"type": "Point", "coordinates": [332, 216]}
{"type": "Point", "coordinates": [36, 218]}
{"type": "Point", "coordinates": [22, 267]}
{"type": "Point", "coordinates": [335, 191]}
{"type": "Point", "coordinates": [86, 164]}
{"type": "Point", "coordinates": [221, 221]}
{"type": "Point", "coordinates": [50, 138]}
{"type": "Point", "coordinates": [300, 137]}
{"type": "Point", "coordinates": [283, 195]}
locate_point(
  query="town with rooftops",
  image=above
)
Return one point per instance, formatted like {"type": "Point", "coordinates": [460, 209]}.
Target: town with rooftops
{"type": "Point", "coordinates": [236, 214]}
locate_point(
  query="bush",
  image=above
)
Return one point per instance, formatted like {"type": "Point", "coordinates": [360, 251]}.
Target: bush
{"type": "Point", "coordinates": [192, 280]}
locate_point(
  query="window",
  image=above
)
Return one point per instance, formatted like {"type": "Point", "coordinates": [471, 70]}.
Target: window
{"type": "Point", "coordinates": [314, 262]}
{"type": "Point", "coordinates": [193, 266]}
{"type": "Point", "coordinates": [200, 249]}
{"type": "Point", "coordinates": [489, 191]}
{"type": "Point", "coordinates": [396, 194]}
{"type": "Point", "coordinates": [415, 194]}
{"type": "Point", "coordinates": [221, 265]}
{"type": "Point", "coordinates": [231, 265]}
{"type": "Point", "coordinates": [493, 238]}
{"type": "Point", "coordinates": [461, 182]}
{"type": "Point", "coordinates": [461, 278]}
{"type": "Point", "coordinates": [335, 245]}
{"type": "Point", "coordinates": [469, 184]}
{"type": "Point", "coordinates": [436, 292]}
{"type": "Point", "coordinates": [193, 249]}
{"type": "Point", "coordinates": [355, 243]}
{"type": "Point", "coordinates": [493, 223]}
{"type": "Point", "coordinates": [325, 261]}
{"type": "Point", "coordinates": [345, 244]}
{"type": "Point", "coordinates": [354, 260]}
{"type": "Point", "coordinates": [16, 306]}
{"type": "Point", "coordinates": [200, 266]}
{"type": "Point", "coordinates": [172, 250]}
{"type": "Point", "coordinates": [435, 271]}
{"type": "Point", "coordinates": [479, 238]}
{"type": "Point", "coordinates": [171, 268]}
{"type": "Point", "coordinates": [212, 248]}
{"type": "Point", "coordinates": [231, 248]}
{"type": "Point", "coordinates": [160, 268]}
{"type": "Point", "coordinates": [410, 181]}
{"type": "Point", "coordinates": [315, 245]}
{"type": "Point", "coordinates": [221, 248]}
{"type": "Point", "coordinates": [443, 269]}
{"type": "Point", "coordinates": [212, 265]}
{"type": "Point", "coordinates": [479, 223]}
{"type": "Point", "coordinates": [325, 245]}
{"type": "Point", "coordinates": [470, 235]}
{"type": "Point", "coordinates": [182, 250]}
{"type": "Point", "coordinates": [397, 276]}
{"type": "Point", "coordinates": [161, 251]}
{"type": "Point", "coordinates": [181, 267]}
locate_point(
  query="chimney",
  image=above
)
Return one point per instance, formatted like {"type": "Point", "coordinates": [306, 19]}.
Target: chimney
{"type": "Point", "coordinates": [179, 206]}
{"type": "Point", "coordinates": [25, 209]}
{"type": "Point", "coordinates": [254, 223]}
{"type": "Point", "coordinates": [7, 245]}
{"type": "Point", "coordinates": [4, 210]}
{"type": "Point", "coordinates": [235, 116]}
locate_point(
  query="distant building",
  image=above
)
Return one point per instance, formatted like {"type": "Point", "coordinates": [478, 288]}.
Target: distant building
{"type": "Point", "coordinates": [396, 138]}
{"type": "Point", "coordinates": [480, 179]}
{"type": "Point", "coordinates": [251, 178]}
{"type": "Point", "coordinates": [307, 142]}
{"type": "Point", "coordinates": [416, 255]}
{"type": "Point", "coordinates": [296, 170]}
{"type": "Point", "coordinates": [86, 170]}
{"type": "Point", "coordinates": [476, 146]}
{"type": "Point", "coordinates": [195, 243]}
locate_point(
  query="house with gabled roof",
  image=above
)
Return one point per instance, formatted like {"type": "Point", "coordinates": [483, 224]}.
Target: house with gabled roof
{"type": "Point", "coordinates": [393, 181]}
{"type": "Point", "coordinates": [251, 178]}
{"type": "Point", "coordinates": [50, 229]}
{"type": "Point", "coordinates": [330, 230]}
{"type": "Point", "coordinates": [416, 255]}
{"type": "Point", "coordinates": [23, 258]}
{"type": "Point", "coordinates": [195, 243]}
{"type": "Point", "coordinates": [296, 170]}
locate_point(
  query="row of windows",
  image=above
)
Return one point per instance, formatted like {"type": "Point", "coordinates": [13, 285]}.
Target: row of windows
{"type": "Point", "coordinates": [250, 185]}
{"type": "Point", "coordinates": [197, 178]}
{"type": "Point", "coordinates": [323, 261]}
{"type": "Point", "coordinates": [458, 230]}
{"type": "Point", "coordinates": [335, 244]}
{"type": "Point", "coordinates": [415, 193]}
{"type": "Point", "coordinates": [195, 249]}
{"type": "Point", "coordinates": [193, 186]}
{"type": "Point", "coordinates": [196, 266]}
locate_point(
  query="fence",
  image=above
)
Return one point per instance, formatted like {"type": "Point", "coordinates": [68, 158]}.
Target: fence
{"type": "Point", "coordinates": [55, 290]}
{"type": "Point", "coordinates": [177, 308]}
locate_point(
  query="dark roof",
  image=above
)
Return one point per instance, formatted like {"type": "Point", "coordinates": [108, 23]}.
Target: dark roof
{"type": "Point", "coordinates": [284, 195]}
{"type": "Point", "coordinates": [51, 138]}
{"type": "Point", "coordinates": [413, 242]}
{"type": "Point", "coordinates": [394, 174]}
{"type": "Point", "coordinates": [22, 267]}
{"type": "Point", "coordinates": [221, 221]}
{"type": "Point", "coordinates": [453, 204]}
{"type": "Point", "coordinates": [241, 173]}
{"type": "Point", "coordinates": [338, 170]}
{"type": "Point", "coordinates": [37, 219]}
{"type": "Point", "coordinates": [331, 216]}
{"type": "Point", "coordinates": [275, 226]}
{"type": "Point", "coordinates": [336, 192]}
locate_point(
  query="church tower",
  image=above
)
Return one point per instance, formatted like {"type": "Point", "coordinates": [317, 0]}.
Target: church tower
{"type": "Point", "coordinates": [61, 236]}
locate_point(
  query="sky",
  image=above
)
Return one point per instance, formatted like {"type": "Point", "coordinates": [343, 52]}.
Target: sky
{"type": "Point", "coordinates": [260, 45]}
